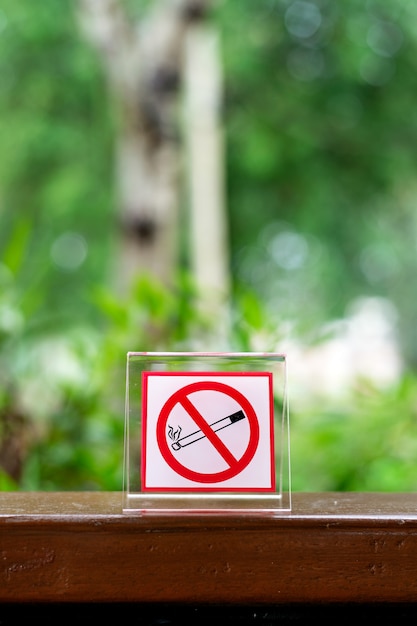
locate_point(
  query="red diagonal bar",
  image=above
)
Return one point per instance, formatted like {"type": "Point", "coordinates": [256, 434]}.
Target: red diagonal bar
{"type": "Point", "coordinates": [208, 431]}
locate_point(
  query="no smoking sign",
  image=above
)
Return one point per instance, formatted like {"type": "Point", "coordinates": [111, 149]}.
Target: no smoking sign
{"type": "Point", "coordinates": [207, 432]}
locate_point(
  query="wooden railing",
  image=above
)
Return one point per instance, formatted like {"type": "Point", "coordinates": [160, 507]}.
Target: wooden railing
{"type": "Point", "coordinates": [332, 550]}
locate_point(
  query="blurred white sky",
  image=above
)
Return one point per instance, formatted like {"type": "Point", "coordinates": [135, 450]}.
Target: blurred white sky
{"type": "Point", "coordinates": [361, 346]}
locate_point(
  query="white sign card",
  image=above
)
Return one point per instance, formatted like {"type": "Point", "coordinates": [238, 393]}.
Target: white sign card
{"type": "Point", "coordinates": [207, 432]}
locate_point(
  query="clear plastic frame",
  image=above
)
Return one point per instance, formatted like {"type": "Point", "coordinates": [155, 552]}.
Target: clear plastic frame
{"type": "Point", "coordinates": [206, 432]}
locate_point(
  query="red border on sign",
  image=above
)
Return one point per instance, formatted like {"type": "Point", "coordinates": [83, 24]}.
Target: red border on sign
{"type": "Point", "coordinates": [235, 465]}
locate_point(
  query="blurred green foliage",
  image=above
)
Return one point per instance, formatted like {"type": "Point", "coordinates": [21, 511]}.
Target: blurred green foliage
{"type": "Point", "coordinates": [56, 166]}
{"type": "Point", "coordinates": [366, 443]}
{"type": "Point", "coordinates": [321, 130]}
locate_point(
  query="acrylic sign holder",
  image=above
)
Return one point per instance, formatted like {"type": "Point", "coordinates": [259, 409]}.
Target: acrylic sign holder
{"type": "Point", "coordinates": [206, 432]}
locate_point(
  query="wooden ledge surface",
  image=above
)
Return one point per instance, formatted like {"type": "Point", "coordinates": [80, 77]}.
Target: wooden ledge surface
{"type": "Point", "coordinates": [331, 548]}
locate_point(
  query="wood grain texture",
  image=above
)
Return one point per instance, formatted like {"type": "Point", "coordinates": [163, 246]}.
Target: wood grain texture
{"type": "Point", "coordinates": [332, 548]}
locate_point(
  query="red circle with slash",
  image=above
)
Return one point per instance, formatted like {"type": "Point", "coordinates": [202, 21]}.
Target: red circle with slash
{"type": "Point", "coordinates": [235, 465]}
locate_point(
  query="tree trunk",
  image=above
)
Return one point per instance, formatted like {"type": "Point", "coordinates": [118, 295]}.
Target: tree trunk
{"type": "Point", "coordinates": [144, 63]}
{"type": "Point", "coordinates": [208, 224]}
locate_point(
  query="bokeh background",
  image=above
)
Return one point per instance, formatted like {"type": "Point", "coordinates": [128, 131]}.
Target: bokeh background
{"type": "Point", "coordinates": [208, 175]}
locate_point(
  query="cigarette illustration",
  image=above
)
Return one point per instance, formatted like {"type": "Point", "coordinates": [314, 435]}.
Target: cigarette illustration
{"type": "Point", "coordinates": [187, 440]}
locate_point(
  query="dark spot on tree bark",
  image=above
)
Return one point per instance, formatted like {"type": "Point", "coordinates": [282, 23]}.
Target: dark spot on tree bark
{"type": "Point", "coordinates": [142, 228]}
{"type": "Point", "coordinates": [195, 10]}
{"type": "Point", "coordinates": [165, 81]}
